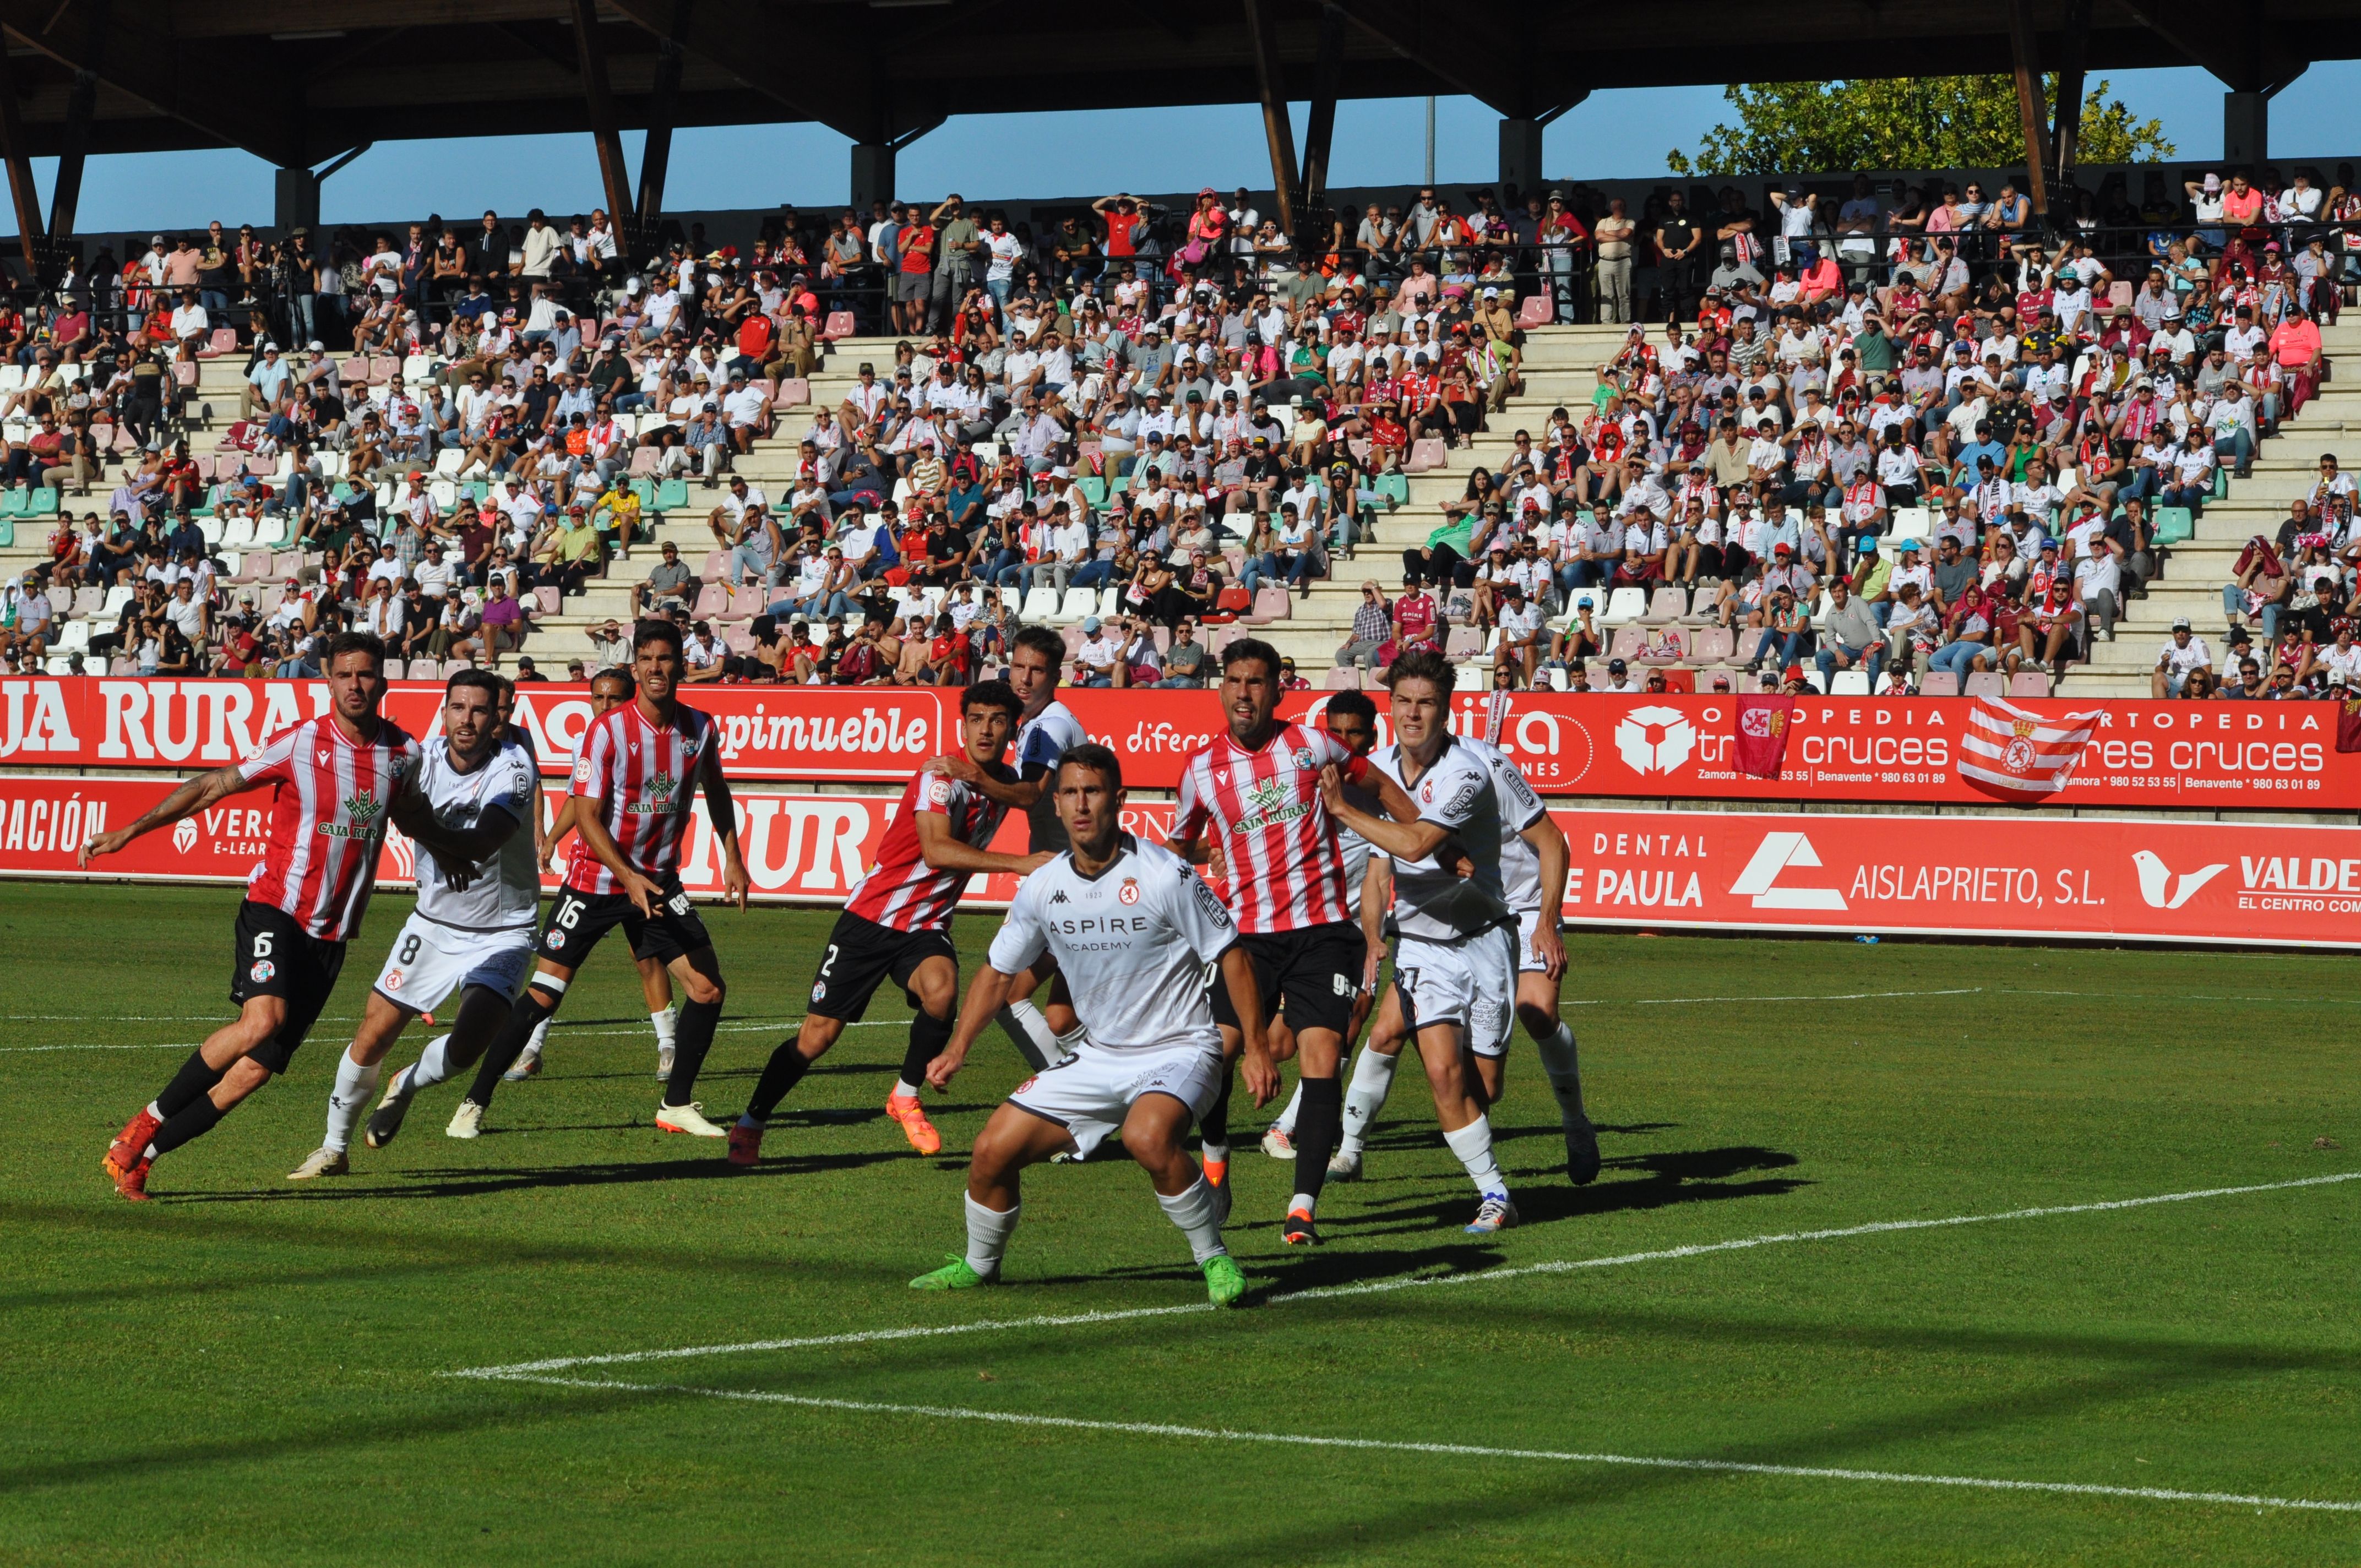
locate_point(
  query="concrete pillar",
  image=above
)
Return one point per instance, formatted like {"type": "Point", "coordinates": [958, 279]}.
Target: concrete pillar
{"type": "Point", "coordinates": [2246, 130]}
{"type": "Point", "coordinates": [297, 202]}
{"type": "Point", "coordinates": [1520, 157]}
{"type": "Point", "coordinates": [872, 175]}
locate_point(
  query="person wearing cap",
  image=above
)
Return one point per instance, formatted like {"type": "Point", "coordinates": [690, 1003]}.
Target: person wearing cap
{"type": "Point", "coordinates": [1620, 680]}
{"type": "Point", "coordinates": [2183, 652]}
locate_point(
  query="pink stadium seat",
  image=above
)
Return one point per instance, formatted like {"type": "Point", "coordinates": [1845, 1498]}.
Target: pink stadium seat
{"type": "Point", "coordinates": [2028, 682]}
{"type": "Point", "coordinates": [1939, 683]}
{"type": "Point", "coordinates": [716, 563]}
{"type": "Point", "coordinates": [548, 600]}
{"type": "Point", "coordinates": [710, 601]}
{"type": "Point", "coordinates": [1985, 683]}
{"type": "Point", "coordinates": [840, 324]}
{"type": "Point", "coordinates": [1666, 606]}
{"type": "Point", "coordinates": [1269, 605]}
{"type": "Point", "coordinates": [1427, 455]}
{"type": "Point", "coordinates": [792, 391]}
{"type": "Point", "coordinates": [1679, 636]}
{"type": "Point", "coordinates": [355, 372]}
{"type": "Point", "coordinates": [1712, 645]}
{"type": "Point", "coordinates": [424, 670]}
{"type": "Point", "coordinates": [120, 665]}
{"type": "Point", "coordinates": [1536, 310]}
{"type": "Point", "coordinates": [224, 340]}
{"type": "Point", "coordinates": [1627, 642]}
{"type": "Point", "coordinates": [453, 666]}
{"type": "Point", "coordinates": [1343, 678]}
{"type": "Point", "coordinates": [1465, 642]}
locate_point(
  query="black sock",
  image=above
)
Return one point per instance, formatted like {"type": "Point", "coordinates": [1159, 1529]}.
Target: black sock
{"type": "Point", "coordinates": [508, 1045]}
{"type": "Point", "coordinates": [1214, 1127]}
{"type": "Point", "coordinates": [190, 1084]}
{"type": "Point", "coordinates": [929, 1036]}
{"type": "Point", "coordinates": [691, 1039]}
{"type": "Point", "coordinates": [782, 1072]}
{"type": "Point", "coordinates": [1319, 1124]}
{"type": "Point", "coordinates": [193, 1120]}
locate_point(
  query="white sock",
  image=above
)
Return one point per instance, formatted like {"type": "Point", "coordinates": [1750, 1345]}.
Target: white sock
{"type": "Point", "coordinates": [1069, 1042]}
{"type": "Point", "coordinates": [1302, 1204]}
{"type": "Point", "coordinates": [354, 1084]}
{"type": "Point", "coordinates": [533, 1042]}
{"type": "Point", "coordinates": [1031, 1034]}
{"type": "Point", "coordinates": [904, 1089]}
{"type": "Point", "coordinates": [1286, 1122]}
{"type": "Point", "coordinates": [1473, 1145]}
{"type": "Point", "coordinates": [988, 1231]}
{"type": "Point", "coordinates": [661, 1020]}
{"type": "Point", "coordinates": [1198, 1213]}
{"type": "Point", "coordinates": [1562, 1064]}
{"type": "Point", "coordinates": [431, 1068]}
{"type": "Point", "coordinates": [1373, 1080]}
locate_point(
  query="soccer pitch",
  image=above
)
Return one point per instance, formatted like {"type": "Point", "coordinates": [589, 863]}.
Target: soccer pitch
{"type": "Point", "coordinates": [2130, 1338]}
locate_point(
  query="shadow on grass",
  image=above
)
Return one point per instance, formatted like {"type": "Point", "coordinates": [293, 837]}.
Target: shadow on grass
{"type": "Point", "coordinates": [478, 1184]}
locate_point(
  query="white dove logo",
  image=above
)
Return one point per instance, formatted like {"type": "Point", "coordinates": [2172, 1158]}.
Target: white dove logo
{"type": "Point", "coordinates": [403, 853]}
{"type": "Point", "coordinates": [2156, 878]}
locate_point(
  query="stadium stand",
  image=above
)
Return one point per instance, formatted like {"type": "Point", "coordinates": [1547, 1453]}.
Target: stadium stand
{"type": "Point", "coordinates": [864, 451]}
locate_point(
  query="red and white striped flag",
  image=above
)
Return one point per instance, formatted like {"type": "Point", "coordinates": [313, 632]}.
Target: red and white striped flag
{"type": "Point", "coordinates": [2021, 756]}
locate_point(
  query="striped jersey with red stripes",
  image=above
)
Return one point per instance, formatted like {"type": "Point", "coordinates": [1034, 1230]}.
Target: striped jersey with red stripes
{"type": "Point", "coordinates": [329, 815]}
{"type": "Point", "coordinates": [1286, 865]}
{"type": "Point", "coordinates": [644, 779]}
{"type": "Point", "coordinates": [901, 890]}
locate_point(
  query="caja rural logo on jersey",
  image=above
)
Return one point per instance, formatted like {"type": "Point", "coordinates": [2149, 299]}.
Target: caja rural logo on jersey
{"type": "Point", "coordinates": [361, 810]}
{"type": "Point", "coordinates": [1269, 803]}
{"type": "Point", "coordinates": [661, 787]}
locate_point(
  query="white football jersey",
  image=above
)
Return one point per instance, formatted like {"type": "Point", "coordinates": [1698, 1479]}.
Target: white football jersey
{"type": "Point", "coordinates": [1041, 741]}
{"type": "Point", "coordinates": [507, 894]}
{"type": "Point", "coordinates": [1521, 867]}
{"type": "Point", "coordinates": [1132, 942]}
{"type": "Point", "coordinates": [1458, 793]}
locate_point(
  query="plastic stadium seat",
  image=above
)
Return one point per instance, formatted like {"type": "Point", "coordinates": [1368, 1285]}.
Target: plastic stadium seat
{"type": "Point", "coordinates": [1680, 680]}
{"type": "Point", "coordinates": [1427, 455]}
{"type": "Point", "coordinates": [548, 600]}
{"type": "Point", "coordinates": [839, 325]}
{"type": "Point", "coordinates": [793, 392]}
{"type": "Point", "coordinates": [224, 340]}
{"type": "Point", "coordinates": [1624, 606]}
{"type": "Point", "coordinates": [73, 637]}
{"type": "Point", "coordinates": [1986, 683]}
{"type": "Point", "coordinates": [1681, 640]}
{"type": "Point", "coordinates": [453, 666]}
{"type": "Point", "coordinates": [1474, 678]}
{"type": "Point", "coordinates": [448, 462]}
{"type": "Point", "coordinates": [1713, 645]}
{"type": "Point", "coordinates": [2174, 525]}
{"type": "Point", "coordinates": [709, 601]}
{"type": "Point", "coordinates": [1912, 523]}
{"type": "Point", "coordinates": [672, 495]}
{"type": "Point", "coordinates": [1626, 643]}
{"type": "Point", "coordinates": [1465, 642]}
{"type": "Point", "coordinates": [354, 372]}
{"type": "Point", "coordinates": [2119, 294]}
{"type": "Point", "coordinates": [1666, 606]}
{"type": "Point", "coordinates": [1078, 603]}
{"type": "Point", "coordinates": [424, 670]}
{"type": "Point", "coordinates": [1041, 604]}
{"type": "Point", "coordinates": [1536, 310]}
{"type": "Point", "coordinates": [1341, 678]}
{"type": "Point", "coordinates": [1939, 683]}
{"type": "Point", "coordinates": [120, 665]}
{"type": "Point", "coordinates": [2028, 682]}
{"type": "Point", "coordinates": [1395, 484]}
{"type": "Point", "coordinates": [1094, 489]}
{"type": "Point", "coordinates": [1074, 636]}
{"type": "Point", "coordinates": [1850, 683]}
{"type": "Point", "coordinates": [1269, 605]}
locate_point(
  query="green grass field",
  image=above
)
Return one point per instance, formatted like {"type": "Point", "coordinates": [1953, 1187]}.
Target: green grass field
{"type": "Point", "coordinates": [250, 1371]}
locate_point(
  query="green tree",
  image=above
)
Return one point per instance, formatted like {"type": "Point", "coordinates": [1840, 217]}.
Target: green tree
{"type": "Point", "coordinates": [1936, 121]}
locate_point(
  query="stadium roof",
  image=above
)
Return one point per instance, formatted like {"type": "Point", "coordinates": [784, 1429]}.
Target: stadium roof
{"type": "Point", "coordinates": [301, 82]}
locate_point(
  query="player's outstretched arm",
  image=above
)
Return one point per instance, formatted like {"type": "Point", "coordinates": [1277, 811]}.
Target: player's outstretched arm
{"type": "Point", "coordinates": [1549, 842]}
{"type": "Point", "coordinates": [1015, 794]}
{"type": "Point", "coordinates": [987, 994]}
{"type": "Point", "coordinates": [944, 851]}
{"type": "Point", "coordinates": [1377, 897]}
{"type": "Point", "coordinates": [1392, 796]}
{"type": "Point", "coordinates": [194, 796]}
{"type": "Point", "coordinates": [1261, 1073]}
{"type": "Point", "coordinates": [722, 810]}
{"type": "Point", "coordinates": [1405, 839]}
{"type": "Point", "coordinates": [415, 815]}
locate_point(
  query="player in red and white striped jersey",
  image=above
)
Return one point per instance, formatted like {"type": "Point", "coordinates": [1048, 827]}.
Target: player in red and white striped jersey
{"type": "Point", "coordinates": [897, 924]}
{"type": "Point", "coordinates": [636, 779]}
{"type": "Point", "coordinates": [337, 781]}
{"type": "Point", "coordinates": [1258, 788]}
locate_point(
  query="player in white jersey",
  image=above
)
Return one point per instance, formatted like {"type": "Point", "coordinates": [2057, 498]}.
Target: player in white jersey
{"type": "Point", "coordinates": [1133, 929]}
{"type": "Point", "coordinates": [1533, 859]}
{"type": "Point", "coordinates": [1454, 954]}
{"type": "Point", "coordinates": [471, 932]}
{"type": "Point", "coordinates": [1352, 719]}
{"type": "Point", "coordinates": [1046, 730]}
{"type": "Point", "coordinates": [610, 689]}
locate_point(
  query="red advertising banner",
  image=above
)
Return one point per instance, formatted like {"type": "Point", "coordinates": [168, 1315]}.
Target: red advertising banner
{"type": "Point", "coordinates": [2043, 877]}
{"type": "Point", "coordinates": [1901, 750]}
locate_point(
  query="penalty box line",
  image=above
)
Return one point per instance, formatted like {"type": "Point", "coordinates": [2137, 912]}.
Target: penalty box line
{"type": "Point", "coordinates": [1382, 1286]}
{"type": "Point", "coordinates": [1449, 1449]}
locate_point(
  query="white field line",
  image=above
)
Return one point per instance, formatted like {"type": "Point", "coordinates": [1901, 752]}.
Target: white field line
{"type": "Point", "coordinates": [1700, 1001]}
{"type": "Point", "coordinates": [1382, 1286]}
{"type": "Point", "coordinates": [1449, 1450]}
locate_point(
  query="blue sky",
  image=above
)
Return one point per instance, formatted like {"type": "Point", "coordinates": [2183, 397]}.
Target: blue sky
{"type": "Point", "coordinates": [1380, 141]}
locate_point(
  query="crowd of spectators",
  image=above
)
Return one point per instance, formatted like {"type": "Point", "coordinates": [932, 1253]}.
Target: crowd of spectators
{"type": "Point", "coordinates": [1905, 432]}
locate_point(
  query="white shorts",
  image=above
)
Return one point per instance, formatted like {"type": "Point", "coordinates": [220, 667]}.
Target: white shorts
{"type": "Point", "coordinates": [1471, 983]}
{"type": "Point", "coordinates": [430, 961]}
{"type": "Point", "coordinates": [1529, 962]}
{"type": "Point", "coordinates": [1090, 1092]}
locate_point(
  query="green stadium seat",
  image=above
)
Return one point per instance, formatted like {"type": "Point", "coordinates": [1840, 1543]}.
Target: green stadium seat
{"type": "Point", "coordinates": [15, 502]}
{"type": "Point", "coordinates": [2175, 525]}
{"type": "Point", "coordinates": [646, 490]}
{"type": "Point", "coordinates": [1094, 489]}
{"type": "Point", "coordinates": [7, 533]}
{"type": "Point", "coordinates": [45, 502]}
{"type": "Point", "coordinates": [1395, 484]}
{"type": "Point", "coordinates": [672, 495]}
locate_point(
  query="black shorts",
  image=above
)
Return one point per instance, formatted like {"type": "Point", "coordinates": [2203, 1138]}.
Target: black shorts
{"type": "Point", "coordinates": [1313, 973]}
{"type": "Point", "coordinates": [272, 955]}
{"type": "Point", "coordinates": [861, 955]}
{"type": "Point", "coordinates": [578, 919]}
